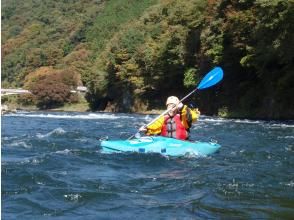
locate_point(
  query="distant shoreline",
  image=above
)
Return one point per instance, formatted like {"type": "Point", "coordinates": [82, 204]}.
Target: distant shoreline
{"type": "Point", "coordinates": [79, 107]}
{"type": "Point", "coordinates": [83, 107]}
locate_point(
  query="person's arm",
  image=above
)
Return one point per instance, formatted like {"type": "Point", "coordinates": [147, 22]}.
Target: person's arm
{"type": "Point", "coordinates": [189, 116]}
{"type": "Point", "coordinates": [155, 127]}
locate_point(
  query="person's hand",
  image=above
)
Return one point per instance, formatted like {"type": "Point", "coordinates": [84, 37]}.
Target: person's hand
{"type": "Point", "coordinates": [143, 129]}
{"type": "Point", "coordinates": [197, 111]}
{"type": "Point", "coordinates": [180, 106]}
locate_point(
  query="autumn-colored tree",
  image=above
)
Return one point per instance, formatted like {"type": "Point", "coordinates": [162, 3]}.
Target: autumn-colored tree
{"type": "Point", "coordinates": [50, 92]}
{"type": "Point", "coordinates": [52, 87]}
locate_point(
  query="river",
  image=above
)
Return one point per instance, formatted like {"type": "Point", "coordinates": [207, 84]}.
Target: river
{"type": "Point", "coordinates": [52, 167]}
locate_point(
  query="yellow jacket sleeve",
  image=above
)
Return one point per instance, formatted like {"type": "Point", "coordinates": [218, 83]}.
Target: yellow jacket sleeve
{"type": "Point", "coordinates": [189, 116]}
{"type": "Point", "coordinates": [155, 127]}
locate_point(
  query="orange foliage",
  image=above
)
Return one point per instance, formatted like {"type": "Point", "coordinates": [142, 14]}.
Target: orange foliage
{"type": "Point", "coordinates": [51, 87]}
{"type": "Point", "coordinates": [67, 76]}
{"type": "Point", "coordinates": [40, 73]}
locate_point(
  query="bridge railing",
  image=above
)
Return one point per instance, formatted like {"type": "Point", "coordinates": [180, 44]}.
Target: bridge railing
{"type": "Point", "coordinates": [80, 89]}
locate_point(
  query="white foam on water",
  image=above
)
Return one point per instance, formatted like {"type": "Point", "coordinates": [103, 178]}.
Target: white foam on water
{"type": "Point", "coordinates": [289, 148]}
{"type": "Point", "coordinates": [20, 144]}
{"type": "Point", "coordinates": [192, 154]}
{"type": "Point", "coordinates": [282, 125]}
{"type": "Point", "coordinates": [9, 138]}
{"type": "Point", "coordinates": [72, 197]}
{"type": "Point", "coordinates": [41, 183]}
{"type": "Point", "coordinates": [82, 140]}
{"type": "Point", "coordinates": [285, 137]}
{"type": "Point", "coordinates": [224, 120]}
{"type": "Point", "coordinates": [146, 118]}
{"type": "Point", "coordinates": [28, 160]}
{"type": "Point", "coordinates": [265, 124]}
{"type": "Point", "coordinates": [149, 118]}
{"type": "Point", "coordinates": [246, 121]}
{"type": "Point", "coordinates": [57, 131]}
{"type": "Point", "coordinates": [70, 116]}
{"type": "Point", "coordinates": [36, 161]}
{"type": "Point", "coordinates": [214, 120]}
{"type": "Point", "coordinates": [289, 184]}
{"type": "Point", "coordinates": [65, 152]}
{"type": "Point", "coordinates": [119, 125]}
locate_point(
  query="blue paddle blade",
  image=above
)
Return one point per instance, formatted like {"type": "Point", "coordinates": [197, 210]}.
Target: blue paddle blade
{"type": "Point", "coordinates": [211, 78]}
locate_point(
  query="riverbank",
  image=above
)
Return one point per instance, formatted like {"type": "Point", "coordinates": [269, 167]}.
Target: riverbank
{"type": "Point", "coordinates": [12, 105]}
{"type": "Point", "coordinates": [83, 106]}
{"type": "Point", "coordinates": [74, 107]}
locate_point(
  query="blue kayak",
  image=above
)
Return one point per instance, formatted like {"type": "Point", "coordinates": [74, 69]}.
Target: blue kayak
{"type": "Point", "coordinates": [162, 145]}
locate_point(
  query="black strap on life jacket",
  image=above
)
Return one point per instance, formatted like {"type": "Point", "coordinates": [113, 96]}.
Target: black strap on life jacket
{"type": "Point", "coordinates": [171, 127]}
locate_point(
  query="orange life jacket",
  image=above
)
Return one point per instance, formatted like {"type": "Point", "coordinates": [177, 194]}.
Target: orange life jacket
{"type": "Point", "coordinates": [173, 127]}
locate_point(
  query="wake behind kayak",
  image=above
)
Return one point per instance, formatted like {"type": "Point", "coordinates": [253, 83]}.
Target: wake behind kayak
{"type": "Point", "coordinates": [158, 144]}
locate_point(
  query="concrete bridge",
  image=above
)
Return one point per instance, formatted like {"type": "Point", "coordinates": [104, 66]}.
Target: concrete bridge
{"type": "Point", "coordinates": [14, 91]}
{"type": "Point", "coordinates": [79, 89]}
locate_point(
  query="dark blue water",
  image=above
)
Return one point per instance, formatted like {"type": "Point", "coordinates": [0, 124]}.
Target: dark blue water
{"type": "Point", "coordinates": [52, 168]}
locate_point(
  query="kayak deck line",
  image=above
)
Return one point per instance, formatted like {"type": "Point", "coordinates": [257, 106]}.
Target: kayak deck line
{"type": "Point", "coordinates": [110, 148]}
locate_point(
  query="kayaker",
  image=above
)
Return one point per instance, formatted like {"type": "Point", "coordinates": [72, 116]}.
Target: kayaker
{"type": "Point", "coordinates": [176, 123]}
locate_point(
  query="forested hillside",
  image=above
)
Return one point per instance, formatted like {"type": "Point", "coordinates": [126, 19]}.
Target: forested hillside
{"type": "Point", "coordinates": [133, 54]}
